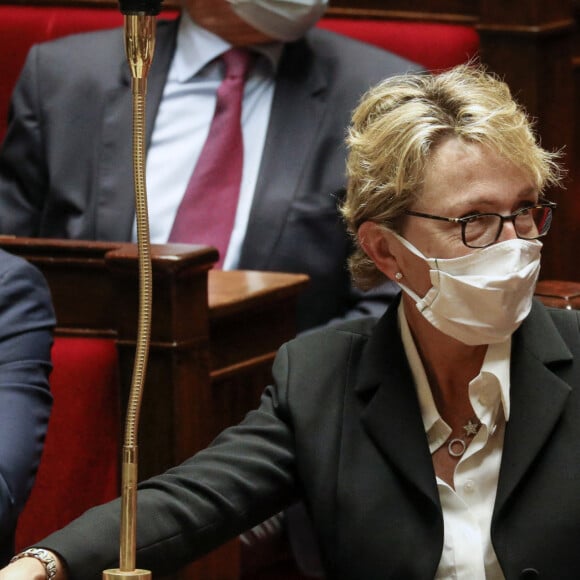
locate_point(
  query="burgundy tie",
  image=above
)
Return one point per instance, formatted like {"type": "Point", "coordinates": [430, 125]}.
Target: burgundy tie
{"type": "Point", "coordinates": [207, 211]}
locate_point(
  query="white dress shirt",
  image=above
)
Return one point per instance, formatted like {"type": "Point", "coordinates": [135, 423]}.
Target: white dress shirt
{"type": "Point", "coordinates": [467, 550]}
{"type": "Point", "coordinates": [183, 122]}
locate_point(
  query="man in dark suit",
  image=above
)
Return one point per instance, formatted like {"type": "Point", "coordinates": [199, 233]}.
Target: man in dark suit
{"type": "Point", "coordinates": [26, 324]}
{"type": "Point", "coordinates": [66, 171]}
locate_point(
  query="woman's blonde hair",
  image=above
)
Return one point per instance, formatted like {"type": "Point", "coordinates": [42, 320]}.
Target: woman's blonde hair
{"type": "Point", "coordinates": [396, 127]}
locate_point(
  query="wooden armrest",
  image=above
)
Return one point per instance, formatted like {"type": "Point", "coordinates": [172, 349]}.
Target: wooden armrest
{"type": "Point", "coordinates": [559, 293]}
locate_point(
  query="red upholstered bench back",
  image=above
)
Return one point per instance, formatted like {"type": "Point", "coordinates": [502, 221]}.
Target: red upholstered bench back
{"type": "Point", "coordinates": [80, 465]}
{"type": "Point", "coordinates": [435, 46]}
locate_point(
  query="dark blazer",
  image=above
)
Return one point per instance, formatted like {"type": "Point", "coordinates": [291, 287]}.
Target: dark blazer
{"type": "Point", "coordinates": [26, 323]}
{"type": "Point", "coordinates": [341, 427]}
{"type": "Point", "coordinates": [66, 169]}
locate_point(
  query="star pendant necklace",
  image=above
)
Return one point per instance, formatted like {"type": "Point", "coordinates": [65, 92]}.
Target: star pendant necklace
{"type": "Point", "coordinates": [457, 446]}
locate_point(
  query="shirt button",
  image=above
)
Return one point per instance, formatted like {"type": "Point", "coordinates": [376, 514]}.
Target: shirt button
{"type": "Point", "coordinates": [469, 486]}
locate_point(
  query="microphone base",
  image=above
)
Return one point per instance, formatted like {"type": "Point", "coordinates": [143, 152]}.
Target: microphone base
{"type": "Point", "coordinates": [114, 574]}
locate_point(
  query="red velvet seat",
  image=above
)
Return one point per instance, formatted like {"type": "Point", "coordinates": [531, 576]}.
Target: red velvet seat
{"type": "Point", "coordinates": [79, 466]}
{"type": "Point", "coordinates": [433, 45]}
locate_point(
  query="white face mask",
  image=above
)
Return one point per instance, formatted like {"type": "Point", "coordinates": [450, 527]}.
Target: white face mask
{"type": "Point", "coordinates": [284, 20]}
{"type": "Point", "coordinates": [483, 297]}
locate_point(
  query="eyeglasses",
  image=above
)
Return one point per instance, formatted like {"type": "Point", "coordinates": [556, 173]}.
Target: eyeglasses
{"type": "Point", "coordinates": [483, 229]}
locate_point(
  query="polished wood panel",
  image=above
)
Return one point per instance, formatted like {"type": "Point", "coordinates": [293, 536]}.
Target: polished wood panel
{"type": "Point", "coordinates": [251, 314]}
{"type": "Point", "coordinates": [559, 293]}
{"type": "Point", "coordinates": [449, 11]}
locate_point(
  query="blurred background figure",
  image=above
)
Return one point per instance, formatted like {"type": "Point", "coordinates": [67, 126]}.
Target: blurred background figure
{"type": "Point", "coordinates": [73, 179]}
{"type": "Point", "coordinates": [26, 326]}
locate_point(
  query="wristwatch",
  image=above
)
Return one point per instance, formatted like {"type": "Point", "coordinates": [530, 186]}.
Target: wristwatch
{"type": "Point", "coordinates": [43, 556]}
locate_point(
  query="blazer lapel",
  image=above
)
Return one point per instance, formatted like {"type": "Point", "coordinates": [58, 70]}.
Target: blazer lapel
{"type": "Point", "coordinates": [392, 416]}
{"type": "Point", "coordinates": [299, 103]}
{"type": "Point", "coordinates": [538, 397]}
{"type": "Point", "coordinates": [115, 191]}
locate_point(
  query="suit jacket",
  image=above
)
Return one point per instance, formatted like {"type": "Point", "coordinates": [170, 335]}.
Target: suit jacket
{"type": "Point", "coordinates": [66, 165]}
{"type": "Point", "coordinates": [341, 427]}
{"type": "Point", "coordinates": [26, 323]}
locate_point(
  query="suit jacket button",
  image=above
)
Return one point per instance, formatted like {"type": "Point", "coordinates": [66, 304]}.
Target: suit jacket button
{"type": "Point", "coordinates": [529, 573]}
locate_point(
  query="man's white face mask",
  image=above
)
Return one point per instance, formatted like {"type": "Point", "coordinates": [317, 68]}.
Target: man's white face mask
{"type": "Point", "coordinates": [482, 297]}
{"type": "Point", "coordinates": [284, 20]}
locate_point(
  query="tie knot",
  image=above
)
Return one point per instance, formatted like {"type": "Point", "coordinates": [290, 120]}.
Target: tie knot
{"type": "Point", "coordinates": [237, 61]}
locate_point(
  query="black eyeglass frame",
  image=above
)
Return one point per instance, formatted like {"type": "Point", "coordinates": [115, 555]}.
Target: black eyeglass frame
{"type": "Point", "coordinates": [463, 221]}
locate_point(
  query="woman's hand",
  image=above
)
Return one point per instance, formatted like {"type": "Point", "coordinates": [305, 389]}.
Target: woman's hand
{"type": "Point", "coordinates": [25, 568]}
{"type": "Point", "coordinates": [30, 569]}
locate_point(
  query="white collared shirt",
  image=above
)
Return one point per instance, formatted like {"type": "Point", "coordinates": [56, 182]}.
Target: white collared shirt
{"type": "Point", "coordinates": [183, 122]}
{"type": "Point", "coordinates": [467, 550]}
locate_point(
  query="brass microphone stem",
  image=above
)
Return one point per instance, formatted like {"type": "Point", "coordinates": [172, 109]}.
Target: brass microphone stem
{"type": "Point", "coordinates": [139, 46]}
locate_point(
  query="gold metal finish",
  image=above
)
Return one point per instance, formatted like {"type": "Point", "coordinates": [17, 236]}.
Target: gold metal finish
{"type": "Point", "coordinates": [134, 574]}
{"type": "Point", "coordinates": [139, 45]}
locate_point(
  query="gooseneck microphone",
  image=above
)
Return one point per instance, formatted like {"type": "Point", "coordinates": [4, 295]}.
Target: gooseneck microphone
{"type": "Point", "coordinates": [139, 30]}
